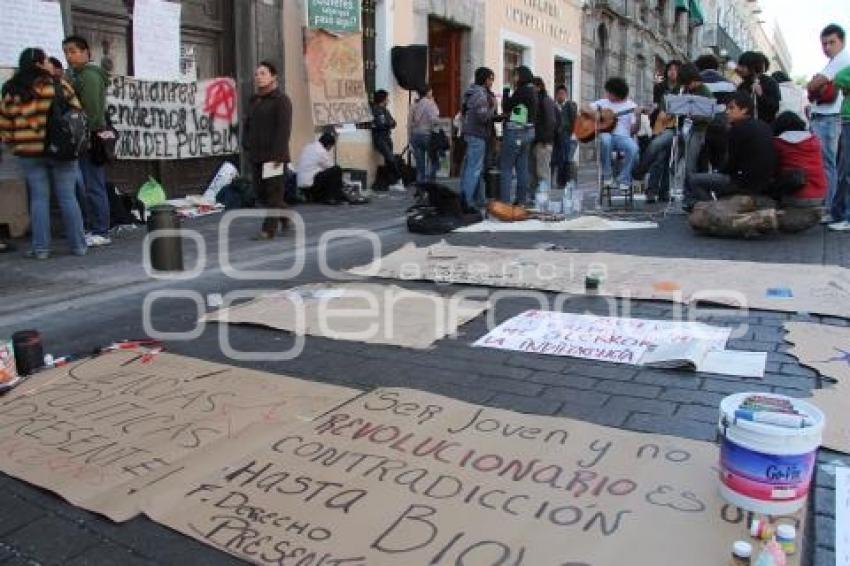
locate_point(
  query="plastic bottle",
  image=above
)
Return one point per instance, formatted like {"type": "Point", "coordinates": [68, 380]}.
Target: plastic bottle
{"type": "Point", "coordinates": [742, 552]}
{"type": "Point", "coordinates": [786, 536]}
{"type": "Point", "coordinates": [576, 202]}
{"type": "Point", "coordinates": [567, 200]}
{"type": "Point", "coordinates": [541, 201]}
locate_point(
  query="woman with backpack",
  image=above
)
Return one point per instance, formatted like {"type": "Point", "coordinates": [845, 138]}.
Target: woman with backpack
{"type": "Point", "coordinates": [27, 100]}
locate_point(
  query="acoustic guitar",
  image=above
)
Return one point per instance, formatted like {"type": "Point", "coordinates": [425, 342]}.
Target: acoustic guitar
{"type": "Point", "coordinates": [585, 127]}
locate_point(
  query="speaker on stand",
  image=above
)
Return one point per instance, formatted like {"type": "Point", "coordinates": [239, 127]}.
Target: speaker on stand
{"type": "Point", "coordinates": [410, 67]}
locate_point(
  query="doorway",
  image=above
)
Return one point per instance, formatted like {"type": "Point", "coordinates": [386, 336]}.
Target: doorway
{"type": "Point", "coordinates": [564, 75]}
{"type": "Point", "coordinates": [444, 60]}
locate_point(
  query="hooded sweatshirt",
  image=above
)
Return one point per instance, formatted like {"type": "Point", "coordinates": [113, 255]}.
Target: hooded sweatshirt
{"type": "Point", "coordinates": [802, 150]}
{"type": "Point", "coordinates": [477, 112]}
{"type": "Point", "coordinates": [524, 94]}
{"type": "Point", "coordinates": [90, 82]}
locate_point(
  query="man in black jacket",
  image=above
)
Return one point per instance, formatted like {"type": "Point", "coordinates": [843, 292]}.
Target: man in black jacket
{"type": "Point", "coordinates": [751, 68]}
{"type": "Point", "coordinates": [383, 125]}
{"type": "Point", "coordinates": [545, 129]}
{"type": "Point", "coordinates": [751, 163]}
{"type": "Point", "coordinates": [565, 146]}
{"type": "Point", "coordinates": [520, 110]}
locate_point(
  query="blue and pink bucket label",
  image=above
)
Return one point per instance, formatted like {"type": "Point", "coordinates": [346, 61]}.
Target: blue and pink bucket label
{"type": "Point", "coordinates": [765, 477]}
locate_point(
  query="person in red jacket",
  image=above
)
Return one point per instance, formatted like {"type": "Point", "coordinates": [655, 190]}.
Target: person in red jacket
{"type": "Point", "coordinates": [800, 182]}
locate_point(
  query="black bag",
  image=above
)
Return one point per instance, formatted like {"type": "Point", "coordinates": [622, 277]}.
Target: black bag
{"type": "Point", "coordinates": [440, 212]}
{"type": "Point", "coordinates": [438, 142]}
{"type": "Point", "coordinates": [238, 194]}
{"type": "Point", "coordinates": [103, 143]}
{"type": "Point", "coordinates": [121, 207]}
{"type": "Point", "coordinates": [67, 128]}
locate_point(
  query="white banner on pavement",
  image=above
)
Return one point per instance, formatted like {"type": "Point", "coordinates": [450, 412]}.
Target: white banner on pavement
{"type": "Point", "coordinates": [602, 338]}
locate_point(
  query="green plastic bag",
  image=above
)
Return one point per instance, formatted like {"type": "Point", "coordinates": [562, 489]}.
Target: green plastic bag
{"type": "Point", "coordinates": [151, 193]}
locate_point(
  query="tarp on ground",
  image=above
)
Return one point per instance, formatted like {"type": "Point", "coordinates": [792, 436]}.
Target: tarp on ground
{"type": "Point", "coordinates": [769, 286]}
{"type": "Point", "coordinates": [398, 476]}
{"type": "Point", "coordinates": [826, 349]}
{"type": "Point", "coordinates": [106, 432]}
{"type": "Point", "coordinates": [363, 312]}
{"type": "Point", "coordinates": [581, 224]}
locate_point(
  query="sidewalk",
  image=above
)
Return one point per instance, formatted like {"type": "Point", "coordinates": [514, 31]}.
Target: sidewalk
{"type": "Point", "coordinates": [80, 303]}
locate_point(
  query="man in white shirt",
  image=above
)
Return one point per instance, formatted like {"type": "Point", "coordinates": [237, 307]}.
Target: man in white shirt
{"type": "Point", "coordinates": [317, 176]}
{"type": "Point", "coordinates": [825, 114]}
{"type": "Point", "coordinates": [620, 140]}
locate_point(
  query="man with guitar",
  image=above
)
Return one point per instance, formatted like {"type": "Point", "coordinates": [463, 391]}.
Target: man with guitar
{"type": "Point", "coordinates": [658, 151]}
{"type": "Point", "coordinates": [619, 119]}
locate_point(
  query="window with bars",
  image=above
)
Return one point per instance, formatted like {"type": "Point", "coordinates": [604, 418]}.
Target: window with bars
{"type": "Point", "coordinates": [513, 58]}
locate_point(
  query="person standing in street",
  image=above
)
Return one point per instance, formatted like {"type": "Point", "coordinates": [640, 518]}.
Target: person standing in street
{"type": "Point", "coordinates": [545, 130]}
{"type": "Point", "coordinates": [565, 145]}
{"type": "Point", "coordinates": [90, 81]}
{"type": "Point", "coordinates": [825, 114]}
{"type": "Point", "coordinates": [520, 109]}
{"type": "Point", "coordinates": [24, 109]}
{"type": "Point", "coordinates": [842, 81]}
{"type": "Point", "coordinates": [478, 110]}
{"type": "Point", "coordinates": [266, 139]}
{"type": "Point", "coordinates": [423, 119]}
{"type": "Point", "coordinates": [383, 125]}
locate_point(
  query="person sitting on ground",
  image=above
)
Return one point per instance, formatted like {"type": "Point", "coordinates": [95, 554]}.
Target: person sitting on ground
{"type": "Point", "coordinates": [620, 140]}
{"type": "Point", "coordinates": [318, 178]}
{"type": "Point", "coordinates": [383, 124]}
{"type": "Point", "coordinates": [752, 66]}
{"type": "Point", "coordinates": [800, 184]}
{"type": "Point", "coordinates": [752, 157]}
{"type": "Point", "coordinates": [694, 134]}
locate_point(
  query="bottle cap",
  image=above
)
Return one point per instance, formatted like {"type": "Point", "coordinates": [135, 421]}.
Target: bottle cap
{"type": "Point", "coordinates": [742, 549]}
{"type": "Point", "coordinates": [786, 531]}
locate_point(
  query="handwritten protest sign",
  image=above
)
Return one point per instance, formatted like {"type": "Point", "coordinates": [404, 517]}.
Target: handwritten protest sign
{"type": "Point", "coordinates": [815, 288]}
{"type": "Point", "coordinates": [29, 23]}
{"type": "Point", "coordinates": [107, 432]}
{"type": "Point", "coordinates": [605, 338]}
{"type": "Point", "coordinates": [335, 78]}
{"type": "Point", "coordinates": [341, 16]}
{"type": "Point", "coordinates": [398, 476]}
{"type": "Point", "coordinates": [174, 120]}
{"type": "Point", "coordinates": [827, 349]}
{"type": "Point", "coordinates": [363, 312]}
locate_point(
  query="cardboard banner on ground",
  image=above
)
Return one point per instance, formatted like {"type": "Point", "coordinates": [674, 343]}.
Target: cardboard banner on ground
{"type": "Point", "coordinates": [768, 286]}
{"type": "Point", "coordinates": [580, 224]}
{"type": "Point", "coordinates": [106, 432]}
{"type": "Point", "coordinates": [335, 78]}
{"type": "Point", "coordinates": [173, 120]}
{"type": "Point", "coordinates": [403, 477]}
{"type": "Point", "coordinates": [362, 312]}
{"type": "Point", "coordinates": [827, 350]}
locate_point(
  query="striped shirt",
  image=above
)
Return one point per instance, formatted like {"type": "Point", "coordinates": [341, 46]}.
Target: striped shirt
{"type": "Point", "coordinates": [23, 125]}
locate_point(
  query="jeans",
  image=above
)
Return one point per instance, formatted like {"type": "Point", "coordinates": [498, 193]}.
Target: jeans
{"type": "Point", "coordinates": [82, 201]}
{"type": "Point", "coordinates": [426, 169]}
{"type": "Point", "coordinates": [43, 174]}
{"type": "Point", "coordinates": [657, 158]}
{"type": "Point", "coordinates": [827, 129]}
{"type": "Point", "coordinates": [562, 164]}
{"type": "Point", "coordinates": [543, 164]}
{"type": "Point", "coordinates": [516, 144]}
{"type": "Point", "coordinates": [98, 201]}
{"type": "Point", "coordinates": [473, 165]}
{"type": "Point", "coordinates": [629, 148]}
{"type": "Point", "coordinates": [843, 177]}
{"type": "Point", "coordinates": [384, 145]}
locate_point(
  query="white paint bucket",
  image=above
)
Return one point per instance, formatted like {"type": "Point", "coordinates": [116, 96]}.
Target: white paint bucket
{"type": "Point", "coordinates": [765, 468]}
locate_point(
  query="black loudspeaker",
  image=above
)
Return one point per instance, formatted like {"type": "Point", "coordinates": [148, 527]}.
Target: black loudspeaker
{"type": "Point", "coordinates": [410, 66]}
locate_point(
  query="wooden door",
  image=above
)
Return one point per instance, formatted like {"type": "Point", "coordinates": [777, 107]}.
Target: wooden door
{"type": "Point", "coordinates": [444, 60]}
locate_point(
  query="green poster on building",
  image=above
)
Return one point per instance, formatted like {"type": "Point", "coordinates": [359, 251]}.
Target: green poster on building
{"type": "Point", "coordinates": [341, 16]}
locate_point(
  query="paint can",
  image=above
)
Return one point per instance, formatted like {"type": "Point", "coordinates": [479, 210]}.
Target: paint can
{"type": "Point", "coordinates": [29, 355]}
{"type": "Point", "coordinates": [767, 468]}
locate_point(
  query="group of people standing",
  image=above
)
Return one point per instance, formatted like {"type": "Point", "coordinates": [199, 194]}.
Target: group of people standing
{"type": "Point", "coordinates": [79, 183]}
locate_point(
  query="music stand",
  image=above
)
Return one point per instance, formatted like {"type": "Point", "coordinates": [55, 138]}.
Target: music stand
{"type": "Point", "coordinates": [686, 106]}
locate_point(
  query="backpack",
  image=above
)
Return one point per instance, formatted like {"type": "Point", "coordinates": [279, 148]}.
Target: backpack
{"type": "Point", "coordinates": [441, 212]}
{"type": "Point", "coordinates": [67, 128]}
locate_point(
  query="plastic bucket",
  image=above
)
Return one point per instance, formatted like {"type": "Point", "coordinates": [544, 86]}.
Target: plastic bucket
{"type": "Point", "coordinates": [765, 468]}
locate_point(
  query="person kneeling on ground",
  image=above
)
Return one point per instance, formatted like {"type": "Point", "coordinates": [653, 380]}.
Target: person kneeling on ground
{"type": "Point", "coordinates": [800, 185]}
{"type": "Point", "coordinates": [747, 177]}
{"type": "Point", "coordinates": [318, 178]}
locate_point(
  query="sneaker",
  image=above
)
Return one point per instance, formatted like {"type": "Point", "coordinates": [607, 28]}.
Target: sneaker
{"type": "Point", "coordinates": [827, 219]}
{"type": "Point", "coordinates": [93, 240]}
{"type": "Point", "coordinates": [32, 254]}
{"type": "Point", "coordinates": [840, 226]}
